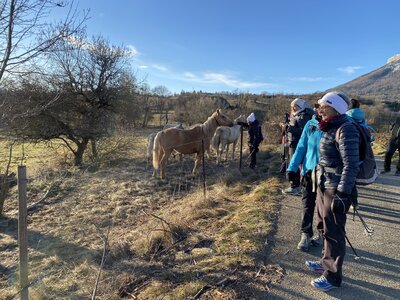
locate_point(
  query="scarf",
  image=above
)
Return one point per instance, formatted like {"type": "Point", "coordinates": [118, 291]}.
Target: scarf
{"type": "Point", "coordinates": [333, 122]}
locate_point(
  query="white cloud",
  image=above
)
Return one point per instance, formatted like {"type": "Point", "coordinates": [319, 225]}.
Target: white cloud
{"type": "Point", "coordinates": [159, 68]}
{"type": "Point", "coordinates": [132, 50]}
{"type": "Point", "coordinates": [307, 79]}
{"type": "Point", "coordinates": [218, 78]}
{"type": "Point", "coordinates": [349, 69]}
{"type": "Point", "coordinates": [143, 67]}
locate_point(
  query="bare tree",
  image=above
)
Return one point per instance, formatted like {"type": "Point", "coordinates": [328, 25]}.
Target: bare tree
{"type": "Point", "coordinates": [26, 34]}
{"type": "Point", "coordinates": [91, 74]}
{"type": "Point", "coordinates": [160, 94]}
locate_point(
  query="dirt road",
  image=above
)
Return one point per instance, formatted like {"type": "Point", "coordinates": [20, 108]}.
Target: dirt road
{"type": "Point", "coordinates": [375, 276]}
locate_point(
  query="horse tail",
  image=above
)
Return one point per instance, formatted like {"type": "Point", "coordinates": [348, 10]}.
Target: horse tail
{"type": "Point", "coordinates": [150, 145]}
{"type": "Point", "coordinates": [157, 150]}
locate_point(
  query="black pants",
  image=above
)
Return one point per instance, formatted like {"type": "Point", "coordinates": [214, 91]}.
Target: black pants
{"type": "Point", "coordinates": [308, 201]}
{"type": "Point", "coordinates": [296, 180]}
{"type": "Point", "coordinates": [253, 156]}
{"type": "Point", "coordinates": [391, 149]}
{"type": "Point", "coordinates": [334, 236]}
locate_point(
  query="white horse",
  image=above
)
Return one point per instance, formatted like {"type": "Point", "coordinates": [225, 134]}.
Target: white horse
{"type": "Point", "coordinates": [150, 141]}
{"type": "Point", "coordinates": [224, 136]}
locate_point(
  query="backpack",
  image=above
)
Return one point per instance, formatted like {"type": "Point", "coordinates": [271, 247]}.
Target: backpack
{"type": "Point", "coordinates": [368, 171]}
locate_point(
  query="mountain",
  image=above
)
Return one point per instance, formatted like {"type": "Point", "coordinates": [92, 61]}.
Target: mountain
{"type": "Point", "coordinates": [381, 84]}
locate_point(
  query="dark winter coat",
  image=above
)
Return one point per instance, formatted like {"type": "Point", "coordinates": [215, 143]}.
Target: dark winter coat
{"type": "Point", "coordinates": [338, 164]}
{"type": "Point", "coordinates": [255, 134]}
{"type": "Point", "coordinates": [296, 125]}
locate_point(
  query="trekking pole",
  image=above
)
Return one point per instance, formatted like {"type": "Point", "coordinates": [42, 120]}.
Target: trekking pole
{"type": "Point", "coordinates": [352, 248]}
{"type": "Point", "coordinates": [368, 230]}
{"type": "Point", "coordinates": [250, 155]}
{"type": "Point", "coordinates": [347, 239]}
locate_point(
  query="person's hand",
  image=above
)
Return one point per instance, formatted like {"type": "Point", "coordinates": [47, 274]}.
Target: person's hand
{"type": "Point", "coordinates": [291, 176]}
{"type": "Point", "coordinates": [340, 203]}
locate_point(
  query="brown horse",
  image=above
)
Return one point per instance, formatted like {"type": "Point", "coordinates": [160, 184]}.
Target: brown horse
{"type": "Point", "coordinates": [186, 141]}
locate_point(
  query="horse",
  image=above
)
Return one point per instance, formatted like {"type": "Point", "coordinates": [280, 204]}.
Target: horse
{"type": "Point", "coordinates": [150, 141]}
{"type": "Point", "coordinates": [186, 141]}
{"type": "Point", "coordinates": [225, 136]}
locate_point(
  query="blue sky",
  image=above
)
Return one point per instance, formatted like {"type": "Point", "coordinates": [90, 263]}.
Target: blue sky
{"type": "Point", "coordinates": [285, 46]}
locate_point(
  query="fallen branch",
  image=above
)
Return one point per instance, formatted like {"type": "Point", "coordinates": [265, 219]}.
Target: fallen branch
{"type": "Point", "coordinates": [102, 262]}
{"type": "Point", "coordinates": [202, 291]}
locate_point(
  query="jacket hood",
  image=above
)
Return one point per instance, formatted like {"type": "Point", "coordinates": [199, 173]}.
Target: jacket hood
{"type": "Point", "coordinates": [356, 113]}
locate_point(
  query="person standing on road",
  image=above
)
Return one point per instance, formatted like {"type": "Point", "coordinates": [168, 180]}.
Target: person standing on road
{"type": "Point", "coordinates": [255, 138]}
{"type": "Point", "coordinates": [394, 144]}
{"type": "Point", "coordinates": [307, 155]}
{"type": "Point", "coordinates": [336, 173]}
{"type": "Point", "coordinates": [300, 114]}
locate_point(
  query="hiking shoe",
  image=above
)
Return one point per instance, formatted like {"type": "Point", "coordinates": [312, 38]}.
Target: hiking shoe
{"type": "Point", "coordinates": [384, 171]}
{"type": "Point", "coordinates": [317, 240]}
{"type": "Point", "coordinates": [296, 191]}
{"type": "Point", "coordinates": [315, 266]}
{"type": "Point", "coordinates": [304, 242]}
{"type": "Point", "coordinates": [322, 284]}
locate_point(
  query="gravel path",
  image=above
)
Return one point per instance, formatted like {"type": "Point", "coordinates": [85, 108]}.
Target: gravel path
{"type": "Point", "coordinates": [375, 276]}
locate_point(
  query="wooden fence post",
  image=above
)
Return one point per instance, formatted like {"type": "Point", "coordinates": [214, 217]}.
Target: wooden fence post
{"type": "Point", "coordinates": [241, 147]}
{"type": "Point", "coordinates": [204, 168]}
{"type": "Point", "coordinates": [22, 233]}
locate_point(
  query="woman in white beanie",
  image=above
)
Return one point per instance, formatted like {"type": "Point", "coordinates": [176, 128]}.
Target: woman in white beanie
{"type": "Point", "coordinates": [336, 173]}
{"type": "Point", "coordinates": [301, 113]}
{"type": "Point", "coordinates": [255, 138]}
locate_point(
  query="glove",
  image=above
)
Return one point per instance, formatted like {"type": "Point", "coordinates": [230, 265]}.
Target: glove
{"type": "Point", "coordinates": [291, 176]}
{"type": "Point", "coordinates": [340, 203]}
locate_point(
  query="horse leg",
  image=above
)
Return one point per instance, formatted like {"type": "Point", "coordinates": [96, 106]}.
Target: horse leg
{"type": "Point", "coordinates": [233, 150]}
{"type": "Point", "coordinates": [227, 150]}
{"type": "Point", "coordinates": [196, 162]}
{"type": "Point", "coordinates": [218, 154]}
{"type": "Point", "coordinates": [163, 163]}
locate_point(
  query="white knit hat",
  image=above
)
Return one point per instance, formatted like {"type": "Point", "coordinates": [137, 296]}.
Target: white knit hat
{"type": "Point", "coordinates": [251, 118]}
{"type": "Point", "coordinates": [335, 101]}
{"type": "Point", "coordinates": [300, 103]}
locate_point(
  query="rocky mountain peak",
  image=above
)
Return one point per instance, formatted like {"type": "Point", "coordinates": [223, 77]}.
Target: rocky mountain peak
{"type": "Point", "coordinates": [394, 59]}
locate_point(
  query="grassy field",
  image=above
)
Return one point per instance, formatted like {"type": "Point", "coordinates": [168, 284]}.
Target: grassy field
{"type": "Point", "coordinates": [164, 239]}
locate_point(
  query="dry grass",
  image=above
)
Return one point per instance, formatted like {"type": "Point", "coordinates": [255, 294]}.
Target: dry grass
{"type": "Point", "coordinates": [161, 242]}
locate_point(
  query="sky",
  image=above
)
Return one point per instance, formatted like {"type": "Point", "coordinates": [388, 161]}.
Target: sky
{"type": "Point", "coordinates": [256, 46]}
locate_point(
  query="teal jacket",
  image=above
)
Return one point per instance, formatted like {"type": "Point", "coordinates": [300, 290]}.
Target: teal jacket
{"type": "Point", "coordinates": [307, 150]}
{"type": "Point", "coordinates": [358, 115]}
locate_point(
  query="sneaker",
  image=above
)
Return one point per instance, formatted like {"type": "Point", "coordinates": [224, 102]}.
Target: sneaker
{"type": "Point", "coordinates": [315, 266]}
{"type": "Point", "coordinates": [385, 171]}
{"type": "Point", "coordinates": [322, 284]}
{"type": "Point", "coordinates": [317, 240]}
{"type": "Point", "coordinates": [304, 242]}
{"type": "Point", "coordinates": [296, 191]}
{"type": "Point", "coordinates": [397, 173]}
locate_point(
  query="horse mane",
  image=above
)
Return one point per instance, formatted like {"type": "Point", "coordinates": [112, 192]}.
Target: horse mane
{"type": "Point", "coordinates": [207, 124]}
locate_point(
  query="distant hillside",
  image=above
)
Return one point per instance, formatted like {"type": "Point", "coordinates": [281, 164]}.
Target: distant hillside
{"type": "Point", "coordinates": [382, 84]}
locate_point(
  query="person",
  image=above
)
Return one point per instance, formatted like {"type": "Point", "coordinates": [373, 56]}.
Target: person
{"type": "Point", "coordinates": [394, 144]}
{"type": "Point", "coordinates": [300, 114]}
{"type": "Point", "coordinates": [285, 145]}
{"type": "Point", "coordinates": [336, 175]}
{"type": "Point", "coordinates": [307, 155]}
{"type": "Point", "coordinates": [357, 115]}
{"type": "Point", "coordinates": [255, 138]}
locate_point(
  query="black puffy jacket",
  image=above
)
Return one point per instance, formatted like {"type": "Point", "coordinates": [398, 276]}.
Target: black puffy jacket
{"type": "Point", "coordinates": [255, 134]}
{"type": "Point", "coordinates": [338, 163]}
{"type": "Point", "coordinates": [296, 125]}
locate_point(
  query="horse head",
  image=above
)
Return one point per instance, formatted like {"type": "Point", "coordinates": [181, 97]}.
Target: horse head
{"type": "Point", "coordinates": [222, 119]}
{"type": "Point", "coordinates": [240, 119]}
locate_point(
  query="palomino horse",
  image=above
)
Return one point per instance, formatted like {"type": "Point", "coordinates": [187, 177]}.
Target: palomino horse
{"type": "Point", "coordinates": [186, 141]}
{"type": "Point", "coordinates": [150, 141]}
{"type": "Point", "coordinates": [225, 136]}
